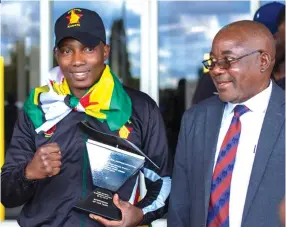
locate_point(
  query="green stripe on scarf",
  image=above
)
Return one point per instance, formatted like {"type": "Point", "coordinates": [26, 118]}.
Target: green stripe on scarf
{"type": "Point", "coordinates": [34, 111]}
{"type": "Point", "coordinates": [120, 104]}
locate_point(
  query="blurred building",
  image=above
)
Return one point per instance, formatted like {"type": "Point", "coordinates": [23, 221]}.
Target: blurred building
{"type": "Point", "coordinates": [119, 58]}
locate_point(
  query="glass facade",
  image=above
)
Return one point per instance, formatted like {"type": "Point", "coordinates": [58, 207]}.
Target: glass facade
{"type": "Point", "coordinates": [263, 2]}
{"type": "Point", "coordinates": [186, 30]}
{"type": "Point", "coordinates": [19, 42]}
{"type": "Point", "coordinates": [20, 49]}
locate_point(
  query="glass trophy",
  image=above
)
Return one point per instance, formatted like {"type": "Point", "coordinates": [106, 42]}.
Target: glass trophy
{"type": "Point", "coordinates": [113, 161]}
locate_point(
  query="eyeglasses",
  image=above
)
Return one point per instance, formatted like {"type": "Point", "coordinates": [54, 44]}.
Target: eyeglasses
{"type": "Point", "coordinates": [225, 63]}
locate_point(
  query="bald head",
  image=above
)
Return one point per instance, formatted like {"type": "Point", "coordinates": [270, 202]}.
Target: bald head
{"type": "Point", "coordinates": [250, 34]}
{"type": "Point", "coordinates": [243, 55]}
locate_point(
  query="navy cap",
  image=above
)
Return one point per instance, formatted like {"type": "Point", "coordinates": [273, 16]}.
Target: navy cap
{"type": "Point", "coordinates": [268, 15]}
{"type": "Point", "coordinates": [83, 25]}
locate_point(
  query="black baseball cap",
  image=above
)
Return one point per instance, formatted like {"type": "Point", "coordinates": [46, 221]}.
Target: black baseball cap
{"type": "Point", "coordinates": [83, 25]}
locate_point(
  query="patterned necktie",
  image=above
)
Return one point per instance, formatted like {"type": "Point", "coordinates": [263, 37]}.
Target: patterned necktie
{"type": "Point", "coordinates": [218, 213]}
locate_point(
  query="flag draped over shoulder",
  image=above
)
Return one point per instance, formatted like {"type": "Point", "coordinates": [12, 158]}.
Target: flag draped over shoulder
{"type": "Point", "coordinates": [106, 100]}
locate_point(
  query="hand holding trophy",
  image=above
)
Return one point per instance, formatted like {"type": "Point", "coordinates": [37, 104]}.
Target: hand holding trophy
{"type": "Point", "coordinates": [113, 161]}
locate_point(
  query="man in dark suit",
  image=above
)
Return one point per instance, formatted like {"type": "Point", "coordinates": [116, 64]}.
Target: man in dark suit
{"type": "Point", "coordinates": [230, 159]}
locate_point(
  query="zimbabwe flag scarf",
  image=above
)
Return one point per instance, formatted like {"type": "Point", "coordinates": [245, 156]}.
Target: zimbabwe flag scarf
{"type": "Point", "coordinates": [106, 100]}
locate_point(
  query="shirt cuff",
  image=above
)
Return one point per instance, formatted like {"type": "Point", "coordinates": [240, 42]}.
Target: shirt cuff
{"type": "Point", "coordinates": [23, 180]}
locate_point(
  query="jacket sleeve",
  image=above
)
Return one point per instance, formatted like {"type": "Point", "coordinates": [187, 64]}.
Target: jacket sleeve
{"type": "Point", "coordinates": [157, 181]}
{"type": "Point", "coordinates": [179, 207]}
{"type": "Point", "coordinates": [15, 188]}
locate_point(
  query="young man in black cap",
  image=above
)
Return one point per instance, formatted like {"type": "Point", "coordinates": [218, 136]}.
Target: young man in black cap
{"type": "Point", "coordinates": [46, 166]}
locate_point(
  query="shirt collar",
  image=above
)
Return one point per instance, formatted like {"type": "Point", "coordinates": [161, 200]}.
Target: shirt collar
{"type": "Point", "coordinates": [258, 103]}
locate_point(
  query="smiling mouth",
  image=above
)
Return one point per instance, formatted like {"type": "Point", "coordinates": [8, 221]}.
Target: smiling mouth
{"type": "Point", "coordinates": [223, 84]}
{"type": "Point", "coordinates": [80, 75]}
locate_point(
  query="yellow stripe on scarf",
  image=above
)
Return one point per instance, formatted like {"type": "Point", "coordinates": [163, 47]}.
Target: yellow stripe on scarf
{"type": "Point", "coordinates": [100, 96]}
{"type": "Point", "coordinates": [62, 88]}
{"type": "Point", "coordinates": [124, 132]}
{"type": "Point", "coordinates": [39, 90]}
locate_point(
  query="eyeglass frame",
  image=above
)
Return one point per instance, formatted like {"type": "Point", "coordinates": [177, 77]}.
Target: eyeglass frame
{"type": "Point", "coordinates": [229, 62]}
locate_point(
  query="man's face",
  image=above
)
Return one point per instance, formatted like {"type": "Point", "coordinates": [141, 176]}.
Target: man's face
{"type": "Point", "coordinates": [81, 65]}
{"type": "Point", "coordinates": [242, 80]}
{"type": "Point", "coordinates": [280, 43]}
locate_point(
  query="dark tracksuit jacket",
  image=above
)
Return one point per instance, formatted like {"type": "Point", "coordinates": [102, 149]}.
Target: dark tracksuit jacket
{"type": "Point", "coordinates": [50, 201]}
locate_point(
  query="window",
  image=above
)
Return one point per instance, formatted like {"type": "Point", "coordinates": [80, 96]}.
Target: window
{"type": "Point", "coordinates": [186, 30]}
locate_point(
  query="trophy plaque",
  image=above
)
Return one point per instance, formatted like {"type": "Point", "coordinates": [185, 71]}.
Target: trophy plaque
{"type": "Point", "coordinates": [112, 161]}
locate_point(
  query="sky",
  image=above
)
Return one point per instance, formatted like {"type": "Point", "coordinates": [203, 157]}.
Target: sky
{"type": "Point", "coordinates": [186, 29]}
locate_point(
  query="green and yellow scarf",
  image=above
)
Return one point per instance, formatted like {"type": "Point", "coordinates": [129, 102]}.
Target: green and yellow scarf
{"type": "Point", "coordinates": [106, 101]}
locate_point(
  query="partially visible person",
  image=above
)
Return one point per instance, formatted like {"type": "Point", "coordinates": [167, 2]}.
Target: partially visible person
{"type": "Point", "coordinates": [10, 116]}
{"type": "Point", "coordinates": [272, 15]}
{"type": "Point", "coordinates": [178, 105]}
{"type": "Point", "coordinates": [279, 68]}
{"type": "Point", "coordinates": [229, 168]}
{"type": "Point", "coordinates": [205, 88]}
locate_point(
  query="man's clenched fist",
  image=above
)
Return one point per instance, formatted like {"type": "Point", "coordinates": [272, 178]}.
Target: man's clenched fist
{"type": "Point", "coordinates": [45, 163]}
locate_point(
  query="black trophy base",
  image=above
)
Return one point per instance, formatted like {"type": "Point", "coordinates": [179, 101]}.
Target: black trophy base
{"type": "Point", "coordinates": [100, 202]}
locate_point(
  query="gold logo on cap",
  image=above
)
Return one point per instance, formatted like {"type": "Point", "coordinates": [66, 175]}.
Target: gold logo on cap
{"type": "Point", "coordinates": [74, 18]}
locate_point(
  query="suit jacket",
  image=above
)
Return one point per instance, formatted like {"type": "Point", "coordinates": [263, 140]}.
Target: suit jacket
{"type": "Point", "coordinates": [194, 163]}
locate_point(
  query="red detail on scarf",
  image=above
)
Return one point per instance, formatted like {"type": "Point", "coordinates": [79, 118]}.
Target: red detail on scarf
{"type": "Point", "coordinates": [137, 195]}
{"type": "Point", "coordinates": [50, 132]}
{"type": "Point", "coordinates": [85, 101]}
{"type": "Point", "coordinates": [129, 129]}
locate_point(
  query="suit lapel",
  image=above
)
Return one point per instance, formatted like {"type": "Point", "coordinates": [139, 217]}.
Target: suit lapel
{"type": "Point", "coordinates": [213, 121]}
{"type": "Point", "coordinates": [271, 128]}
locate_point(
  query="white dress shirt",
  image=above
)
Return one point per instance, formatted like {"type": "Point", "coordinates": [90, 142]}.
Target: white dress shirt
{"type": "Point", "coordinates": [251, 123]}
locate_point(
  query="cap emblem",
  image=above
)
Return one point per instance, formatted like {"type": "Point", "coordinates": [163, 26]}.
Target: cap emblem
{"type": "Point", "coordinates": [74, 18]}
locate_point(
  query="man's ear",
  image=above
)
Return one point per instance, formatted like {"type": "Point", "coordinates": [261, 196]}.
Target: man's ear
{"type": "Point", "coordinates": [106, 51]}
{"type": "Point", "coordinates": [266, 61]}
{"type": "Point", "coordinates": [56, 53]}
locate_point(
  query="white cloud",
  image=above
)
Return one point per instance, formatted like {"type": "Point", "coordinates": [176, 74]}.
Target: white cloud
{"type": "Point", "coordinates": [163, 68]}
{"type": "Point", "coordinates": [133, 45]}
{"type": "Point", "coordinates": [192, 76]}
{"type": "Point", "coordinates": [135, 63]}
{"type": "Point", "coordinates": [213, 28]}
{"type": "Point", "coordinates": [135, 6]}
{"type": "Point", "coordinates": [163, 53]}
{"type": "Point", "coordinates": [5, 53]}
{"type": "Point", "coordinates": [169, 27]}
{"type": "Point", "coordinates": [107, 8]}
{"type": "Point", "coordinates": [133, 31]}
{"type": "Point", "coordinates": [28, 45]}
{"type": "Point", "coordinates": [168, 82]}
{"type": "Point", "coordinates": [16, 20]}
{"type": "Point", "coordinates": [238, 17]}
{"type": "Point", "coordinates": [194, 24]}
